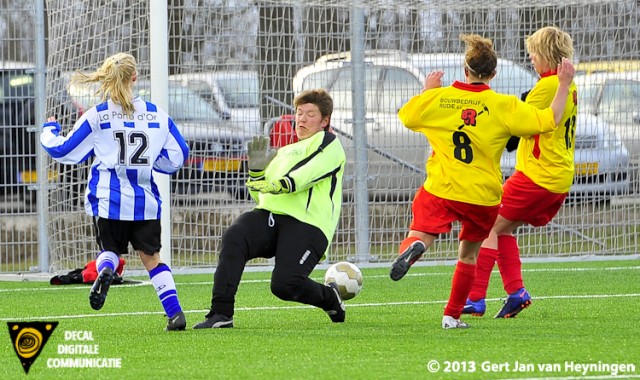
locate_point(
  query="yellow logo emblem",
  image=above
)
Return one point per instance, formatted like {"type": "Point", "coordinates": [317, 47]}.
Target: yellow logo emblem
{"type": "Point", "coordinates": [28, 339]}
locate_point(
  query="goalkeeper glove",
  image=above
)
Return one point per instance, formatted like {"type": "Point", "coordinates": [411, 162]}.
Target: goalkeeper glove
{"type": "Point", "coordinates": [259, 153]}
{"type": "Point", "coordinates": [256, 176]}
{"type": "Point", "coordinates": [281, 186]}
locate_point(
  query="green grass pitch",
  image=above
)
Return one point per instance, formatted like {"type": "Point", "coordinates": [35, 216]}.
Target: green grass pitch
{"type": "Point", "coordinates": [582, 323]}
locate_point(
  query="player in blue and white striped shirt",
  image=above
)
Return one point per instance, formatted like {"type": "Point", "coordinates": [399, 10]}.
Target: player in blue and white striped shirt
{"type": "Point", "coordinates": [128, 139]}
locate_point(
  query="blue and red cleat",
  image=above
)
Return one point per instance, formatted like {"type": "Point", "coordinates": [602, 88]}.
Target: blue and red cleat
{"type": "Point", "coordinates": [515, 303]}
{"type": "Point", "coordinates": [475, 308]}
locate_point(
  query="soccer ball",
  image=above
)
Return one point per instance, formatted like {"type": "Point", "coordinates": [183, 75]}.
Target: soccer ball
{"type": "Point", "coordinates": [347, 276]}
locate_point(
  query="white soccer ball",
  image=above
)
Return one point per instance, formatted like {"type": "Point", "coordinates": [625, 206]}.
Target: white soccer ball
{"type": "Point", "coordinates": [347, 276]}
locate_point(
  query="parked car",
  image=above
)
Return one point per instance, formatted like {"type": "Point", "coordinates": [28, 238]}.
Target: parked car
{"type": "Point", "coordinates": [217, 160]}
{"type": "Point", "coordinates": [235, 94]}
{"type": "Point", "coordinates": [18, 127]}
{"type": "Point", "coordinates": [615, 98]}
{"type": "Point", "coordinates": [396, 156]}
{"type": "Point", "coordinates": [17, 149]}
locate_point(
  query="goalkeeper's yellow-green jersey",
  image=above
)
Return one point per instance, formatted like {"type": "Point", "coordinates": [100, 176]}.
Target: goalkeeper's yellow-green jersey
{"type": "Point", "coordinates": [314, 167]}
{"type": "Point", "coordinates": [468, 126]}
{"type": "Point", "coordinates": [547, 159]}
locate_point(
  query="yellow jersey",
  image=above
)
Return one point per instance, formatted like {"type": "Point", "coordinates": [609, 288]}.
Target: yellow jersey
{"type": "Point", "coordinates": [468, 126]}
{"type": "Point", "coordinates": [547, 159]}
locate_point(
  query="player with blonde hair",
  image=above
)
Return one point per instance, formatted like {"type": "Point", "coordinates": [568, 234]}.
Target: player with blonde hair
{"type": "Point", "coordinates": [468, 126]}
{"type": "Point", "coordinates": [543, 177]}
{"type": "Point", "coordinates": [128, 140]}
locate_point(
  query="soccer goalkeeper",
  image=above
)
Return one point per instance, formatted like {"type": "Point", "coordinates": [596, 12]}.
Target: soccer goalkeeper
{"type": "Point", "coordinates": [298, 192]}
{"type": "Point", "coordinates": [128, 140]}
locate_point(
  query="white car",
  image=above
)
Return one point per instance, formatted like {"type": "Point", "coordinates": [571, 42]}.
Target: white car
{"type": "Point", "coordinates": [235, 94]}
{"type": "Point", "coordinates": [396, 156]}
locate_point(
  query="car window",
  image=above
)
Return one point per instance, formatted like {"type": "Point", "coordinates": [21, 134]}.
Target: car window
{"type": "Point", "coordinates": [397, 88]}
{"type": "Point", "coordinates": [16, 90]}
{"type": "Point", "coordinates": [387, 88]}
{"type": "Point", "coordinates": [184, 104]}
{"type": "Point", "coordinates": [16, 86]}
{"type": "Point", "coordinates": [241, 91]}
{"type": "Point", "coordinates": [338, 83]}
{"type": "Point", "coordinates": [619, 99]}
{"type": "Point", "coordinates": [451, 73]}
{"type": "Point", "coordinates": [343, 90]}
{"type": "Point", "coordinates": [512, 79]}
{"type": "Point", "coordinates": [320, 79]}
{"type": "Point", "coordinates": [588, 98]}
{"type": "Point", "coordinates": [200, 87]}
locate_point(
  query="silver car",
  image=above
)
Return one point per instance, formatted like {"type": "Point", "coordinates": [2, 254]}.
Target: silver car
{"type": "Point", "coordinates": [615, 98]}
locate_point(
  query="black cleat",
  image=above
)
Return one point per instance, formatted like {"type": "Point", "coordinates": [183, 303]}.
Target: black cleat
{"type": "Point", "coordinates": [176, 323]}
{"type": "Point", "coordinates": [100, 287]}
{"type": "Point", "coordinates": [216, 321]}
{"type": "Point", "coordinates": [338, 312]}
{"type": "Point", "coordinates": [400, 266]}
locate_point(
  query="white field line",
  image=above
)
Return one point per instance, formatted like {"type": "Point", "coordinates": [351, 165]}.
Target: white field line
{"type": "Point", "coordinates": [592, 377]}
{"type": "Point", "coordinates": [291, 307]}
{"type": "Point", "coordinates": [180, 284]}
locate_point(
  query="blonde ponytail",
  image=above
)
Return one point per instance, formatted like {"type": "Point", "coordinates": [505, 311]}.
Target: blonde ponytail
{"type": "Point", "coordinates": [115, 76]}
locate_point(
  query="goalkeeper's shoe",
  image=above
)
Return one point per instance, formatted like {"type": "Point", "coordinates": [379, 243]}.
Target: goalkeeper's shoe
{"type": "Point", "coordinates": [215, 321]}
{"type": "Point", "coordinates": [475, 308]}
{"type": "Point", "coordinates": [449, 322]}
{"type": "Point", "coordinates": [98, 293]}
{"type": "Point", "coordinates": [176, 323]}
{"type": "Point", "coordinates": [338, 311]}
{"type": "Point", "coordinates": [400, 266]}
{"type": "Point", "coordinates": [514, 304]}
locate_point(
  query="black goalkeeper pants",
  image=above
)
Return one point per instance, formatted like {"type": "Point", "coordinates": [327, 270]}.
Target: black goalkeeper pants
{"type": "Point", "coordinates": [296, 246]}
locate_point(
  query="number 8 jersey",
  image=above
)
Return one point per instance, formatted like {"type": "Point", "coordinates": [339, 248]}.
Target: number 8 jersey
{"type": "Point", "coordinates": [468, 126]}
{"type": "Point", "coordinates": [127, 148]}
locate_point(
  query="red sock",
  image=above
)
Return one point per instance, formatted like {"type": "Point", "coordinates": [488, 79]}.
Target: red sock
{"type": "Point", "coordinates": [407, 242]}
{"type": "Point", "coordinates": [486, 261]}
{"type": "Point", "coordinates": [509, 263]}
{"type": "Point", "coordinates": [461, 284]}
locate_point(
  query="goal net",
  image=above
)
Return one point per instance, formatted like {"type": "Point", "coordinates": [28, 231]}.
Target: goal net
{"type": "Point", "coordinates": [241, 62]}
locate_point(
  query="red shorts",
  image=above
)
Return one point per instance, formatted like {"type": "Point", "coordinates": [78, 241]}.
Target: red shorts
{"type": "Point", "coordinates": [434, 215]}
{"type": "Point", "coordinates": [525, 201]}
